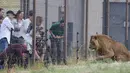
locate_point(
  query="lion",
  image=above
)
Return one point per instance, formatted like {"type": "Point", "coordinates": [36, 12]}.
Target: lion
{"type": "Point", "coordinates": [106, 47]}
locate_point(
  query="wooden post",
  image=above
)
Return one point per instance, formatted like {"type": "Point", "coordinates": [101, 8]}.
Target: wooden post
{"type": "Point", "coordinates": [127, 23]}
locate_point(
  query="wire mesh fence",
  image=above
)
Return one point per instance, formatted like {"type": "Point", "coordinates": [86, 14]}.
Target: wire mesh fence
{"type": "Point", "coordinates": [51, 12]}
{"type": "Point", "coordinates": [10, 5]}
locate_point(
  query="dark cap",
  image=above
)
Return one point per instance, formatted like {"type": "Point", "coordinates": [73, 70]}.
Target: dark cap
{"type": "Point", "coordinates": [62, 21]}
{"type": "Point", "coordinates": [10, 12]}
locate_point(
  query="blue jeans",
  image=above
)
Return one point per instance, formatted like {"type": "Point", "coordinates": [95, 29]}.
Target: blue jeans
{"type": "Point", "coordinates": [3, 44]}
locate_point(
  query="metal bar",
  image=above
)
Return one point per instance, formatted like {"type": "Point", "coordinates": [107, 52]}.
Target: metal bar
{"type": "Point", "coordinates": [46, 19]}
{"type": "Point", "coordinates": [104, 17]}
{"type": "Point", "coordinates": [107, 16]}
{"type": "Point", "coordinates": [127, 22]}
{"type": "Point", "coordinates": [21, 5]}
{"type": "Point", "coordinates": [60, 12]}
{"type": "Point", "coordinates": [77, 51]}
{"type": "Point", "coordinates": [86, 30]}
{"type": "Point", "coordinates": [28, 3]}
{"type": "Point", "coordinates": [65, 33]}
{"type": "Point", "coordinates": [24, 8]}
{"type": "Point", "coordinates": [34, 29]}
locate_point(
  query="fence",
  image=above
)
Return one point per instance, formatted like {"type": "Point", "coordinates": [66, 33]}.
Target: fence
{"type": "Point", "coordinates": [84, 17]}
{"type": "Point", "coordinates": [10, 5]}
{"type": "Point", "coordinates": [52, 11]}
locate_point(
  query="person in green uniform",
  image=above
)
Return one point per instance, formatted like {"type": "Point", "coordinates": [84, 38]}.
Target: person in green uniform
{"type": "Point", "coordinates": [56, 37]}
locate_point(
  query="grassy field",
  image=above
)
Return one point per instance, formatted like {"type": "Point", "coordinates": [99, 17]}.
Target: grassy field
{"type": "Point", "coordinates": [81, 67]}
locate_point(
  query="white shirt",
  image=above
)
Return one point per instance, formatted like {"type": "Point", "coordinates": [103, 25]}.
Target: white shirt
{"type": "Point", "coordinates": [5, 29]}
{"type": "Point", "coordinates": [26, 24]}
{"type": "Point", "coordinates": [19, 25]}
{"type": "Point", "coordinates": [28, 37]}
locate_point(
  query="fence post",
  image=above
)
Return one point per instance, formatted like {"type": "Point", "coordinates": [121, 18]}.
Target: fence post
{"type": "Point", "coordinates": [127, 22]}
{"type": "Point", "coordinates": [46, 19]}
{"type": "Point", "coordinates": [86, 30]}
{"type": "Point", "coordinates": [107, 16]}
{"type": "Point", "coordinates": [77, 51]}
{"type": "Point", "coordinates": [24, 8]}
{"type": "Point", "coordinates": [59, 12]}
{"type": "Point", "coordinates": [28, 7]}
{"type": "Point", "coordinates": [34, 30]}
{"type": "Point", "coordinates": [65, 34]}
{"type": "Point", "coordinates": [21, 5]}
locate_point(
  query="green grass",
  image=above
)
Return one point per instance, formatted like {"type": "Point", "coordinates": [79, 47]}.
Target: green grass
{"type": "Point", "coordinates": [81, 67]}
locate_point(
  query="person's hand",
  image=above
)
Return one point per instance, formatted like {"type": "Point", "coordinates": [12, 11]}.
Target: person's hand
{"type": "Point", "coordinates": [58, 37]}
{"type": "Point", "coordinates": [62, 36]}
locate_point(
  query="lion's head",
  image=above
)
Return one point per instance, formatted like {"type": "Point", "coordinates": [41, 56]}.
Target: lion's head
{"type": "Point", "coordinates": [94, 44]}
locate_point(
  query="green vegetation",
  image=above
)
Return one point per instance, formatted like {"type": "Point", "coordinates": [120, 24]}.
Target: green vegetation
{"type": "Point", "coordinates": [81, 67]}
